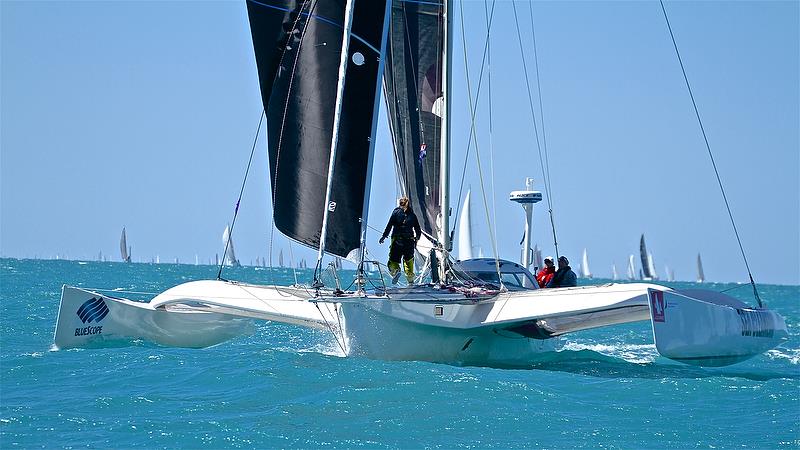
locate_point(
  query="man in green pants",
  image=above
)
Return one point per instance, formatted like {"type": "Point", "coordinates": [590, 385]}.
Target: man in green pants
{"type": "Point", "coordinates": [406, 232]}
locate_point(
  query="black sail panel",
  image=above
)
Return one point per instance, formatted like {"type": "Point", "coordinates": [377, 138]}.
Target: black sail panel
{"type": "Point", "coordinates": [298, 46]}
{"type": "Point", "coordinates": [413, 83]}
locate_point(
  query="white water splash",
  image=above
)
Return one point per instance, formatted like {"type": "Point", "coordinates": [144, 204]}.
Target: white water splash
{"type": "Point", "coordinates": [634, 353]}
{"type": "Point", "coordinates": [789, 354]}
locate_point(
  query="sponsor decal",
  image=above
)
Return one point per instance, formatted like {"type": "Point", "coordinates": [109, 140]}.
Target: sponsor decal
{"type": "Point", "coordinates": [657, 305]}
{"type": "Point", "coordinates": [755, 323]}
{"type": "Point", "coordinates": [93, 310]}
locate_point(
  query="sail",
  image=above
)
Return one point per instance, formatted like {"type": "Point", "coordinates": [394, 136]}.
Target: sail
{"type": "Point", "coordinates": [614, 275]}
{"type": "Point", "coordinates": [123, 247]}
{"type": "Point", "coordinates": [537, 257]}
{"type": "Point", "coordinates": [646, 273]}
{"type": "Point", "coordinates": [297, 48]}
{"type": "Point", "coordinates": [585, 272]}
{"type": "Point", "coordinates": [229, 259]}
{"type": "Point", "coordinates": [413, 86]}
{"type": "Point", "coordinates": [465, 230]}
{"type": "Point", "coordinates": [701, 277]}
{"type": "Point", "coordinates": [631, 268]}
{"type": "Point", "coordinates": [651, 266]}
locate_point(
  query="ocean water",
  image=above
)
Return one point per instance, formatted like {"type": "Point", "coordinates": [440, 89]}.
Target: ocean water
{"type": "Point", "coordinates": [285, 386]}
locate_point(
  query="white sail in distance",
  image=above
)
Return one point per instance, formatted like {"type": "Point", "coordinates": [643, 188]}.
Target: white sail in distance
{"type": "Point", "coordinates": [651, 266]}
{"type": "Point", "coordinates": [124, 250]}
{"type": "Point", "coordinates": [585, 272]}
{"type": "Point", "coordinates": [701, 277]}
{"type": "Point", "coordinates": [229, 259]}
{"type": "Point", "coordinates": [465, 230]}
{"type": "Point", "coordinates": [538, 263]}
{"type": "Point", "coordinates": [631, 268]}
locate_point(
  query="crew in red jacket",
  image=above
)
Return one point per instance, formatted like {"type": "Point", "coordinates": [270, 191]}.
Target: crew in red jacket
{"type": "Point", "coordinates": [546, 274]}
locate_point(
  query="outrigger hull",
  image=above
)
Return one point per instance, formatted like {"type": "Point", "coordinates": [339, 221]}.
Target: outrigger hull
{"type": "Point", "coordinates": [425, 323]}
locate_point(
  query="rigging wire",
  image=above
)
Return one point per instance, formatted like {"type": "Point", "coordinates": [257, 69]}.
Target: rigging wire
{"type": "Point", "coordinates": [241, 192]}
{"type": "Point", "coordinates": [489, 108]}
{"type": "Point", "coordinates": [711, 156]}
{"type": "Point", "coordinates": [477, 150]}
{"type": "Point", "coordinates": [544, 134]}
{"type": "Point", "coordinates": [542, 162]}
{"type": "Point", "coordinates": [473, 112]}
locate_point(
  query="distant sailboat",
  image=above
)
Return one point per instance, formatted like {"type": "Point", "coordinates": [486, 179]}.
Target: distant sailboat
{"type": "Point", "coordinates": [229, 259]}
{"type": "Point", "coordinates": [669, 273]}
{"type": "Point", "coordinates": [537, 258]}
{"type": "Point", "coordinates": [631, 268]}
{"type": "Point", "coordinates": [614, 271]}
{"type": "Point", "coordinates": [124, 250]}
{"type": "Point", "coordinates": [648, 270]}
{"type": "Point", "coordinates": [652, 266]}
{"type": "Point", "coordinates": [585, 272]}
{"type": "Point", "coordinates": [280, 258]}
{"type": "Point", "coordinates": [465, 230]}
{"type": "Point", "coordinates": [701, 277]}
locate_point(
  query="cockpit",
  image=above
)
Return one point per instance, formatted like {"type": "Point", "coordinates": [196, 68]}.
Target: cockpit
{"type": "Point", "coordinates": [514, 276]}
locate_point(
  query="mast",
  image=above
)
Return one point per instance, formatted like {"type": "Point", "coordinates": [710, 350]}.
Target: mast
{"type": "Point", "coordinates": [444, 188]}
{"type": "Point", "coordinates": [348, 24]}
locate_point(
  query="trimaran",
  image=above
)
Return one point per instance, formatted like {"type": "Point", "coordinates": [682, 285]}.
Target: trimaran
{"type": "Point", "coordinates": [320, 67]}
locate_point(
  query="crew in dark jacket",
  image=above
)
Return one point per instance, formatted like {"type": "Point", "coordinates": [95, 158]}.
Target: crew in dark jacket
{"type": "Point", "coordinates": [564, 276]}
{"type": "Point", "coordinates": [406, 232]}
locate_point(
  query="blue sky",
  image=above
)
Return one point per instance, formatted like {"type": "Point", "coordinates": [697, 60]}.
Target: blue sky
{"type": "Point", "coordinates": [142, 114]}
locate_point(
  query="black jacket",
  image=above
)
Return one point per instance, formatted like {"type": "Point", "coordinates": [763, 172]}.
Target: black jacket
{"type": "Point", "coordinates": [564, 277]}
{"type": "Point", "coordinates": [405, 224]}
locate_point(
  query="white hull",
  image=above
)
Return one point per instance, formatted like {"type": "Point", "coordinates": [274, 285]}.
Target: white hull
{"type": "Point", "coordinates": [418, 323]}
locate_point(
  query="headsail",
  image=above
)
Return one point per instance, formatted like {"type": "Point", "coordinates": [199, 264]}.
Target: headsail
{"type": "Point", "coordinates": [298, 47]}
{"type": "Point", "coordinates": [413, 80]}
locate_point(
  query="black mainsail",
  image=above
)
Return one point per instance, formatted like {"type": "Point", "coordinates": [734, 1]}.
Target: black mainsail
{"type": "Point", "coordinates": [298, 48]}
{"type": "Point", "coordinates": [413, 80]}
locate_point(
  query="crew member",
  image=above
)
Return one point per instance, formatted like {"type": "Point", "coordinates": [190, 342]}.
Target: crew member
{"type": "Point", "coordinates": [564, 276]}
{"type": "Point", "coordinates": [406, 232]}
{"type": "Point", "coordinates": [546, 274]}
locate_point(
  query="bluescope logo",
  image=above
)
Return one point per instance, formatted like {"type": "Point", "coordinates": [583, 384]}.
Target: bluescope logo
{"type": "Point", "coordinates": [93, 310]}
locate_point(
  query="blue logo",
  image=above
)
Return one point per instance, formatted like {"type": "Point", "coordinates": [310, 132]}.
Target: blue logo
{"type": "Point", "coordinates": [93, 310]}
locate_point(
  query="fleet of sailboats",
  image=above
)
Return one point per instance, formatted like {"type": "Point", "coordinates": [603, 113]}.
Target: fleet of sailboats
{"type": "Point", "coordinates": [321, 103]}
